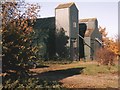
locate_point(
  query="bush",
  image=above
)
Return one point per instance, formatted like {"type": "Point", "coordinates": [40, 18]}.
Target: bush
{"type": "Point", "coordinates": [31, 83]}
{"type": "Point", "coordinates": [105, 56]}
{"type": "Point", "coordinates": [62, 51]}
{"type": "Point", "coordinates": [17, 36]}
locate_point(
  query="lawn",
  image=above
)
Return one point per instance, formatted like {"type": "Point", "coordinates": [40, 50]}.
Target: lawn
{"type": "Point", "coordinates": [79, 74]}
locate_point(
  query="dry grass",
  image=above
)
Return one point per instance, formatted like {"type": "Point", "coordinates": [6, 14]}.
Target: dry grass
{"type": "Point", "coordinates": [80, 75]}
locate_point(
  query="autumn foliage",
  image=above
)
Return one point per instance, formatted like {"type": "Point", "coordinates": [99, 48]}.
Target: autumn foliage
{"type": "Point", "coordinates": [17, 37]}
{"type": "Point", "coordinates": [108, 53]}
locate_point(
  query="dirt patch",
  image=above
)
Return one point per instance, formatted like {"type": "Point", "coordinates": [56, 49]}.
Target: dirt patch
{"type": "Point", "coordinates": [87, 81]}
{"type": "Point", "coordinates": [71, 76]}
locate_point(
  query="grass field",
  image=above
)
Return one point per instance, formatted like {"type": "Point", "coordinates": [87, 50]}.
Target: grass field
{"type": "Point", "coordinates": [79, 74]}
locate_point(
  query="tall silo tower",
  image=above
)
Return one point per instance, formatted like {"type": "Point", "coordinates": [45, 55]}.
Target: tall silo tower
{"type": "Point", "coordinates": [66, 18]}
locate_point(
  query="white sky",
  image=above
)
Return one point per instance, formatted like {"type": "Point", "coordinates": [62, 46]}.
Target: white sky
{"type": "Point", "coordinates": [106, 11]}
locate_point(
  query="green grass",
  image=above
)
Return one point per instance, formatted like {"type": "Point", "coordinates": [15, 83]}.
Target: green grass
{"type": "Point", "coordinates": [93, 69]}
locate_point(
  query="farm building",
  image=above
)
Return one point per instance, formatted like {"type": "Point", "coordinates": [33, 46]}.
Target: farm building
{"type": "Point", "coordinates": [91, 35]}
{"type": "Point", "coordinates": [66, 19]}
{"type": "Point", "coordinates": [45, 36]}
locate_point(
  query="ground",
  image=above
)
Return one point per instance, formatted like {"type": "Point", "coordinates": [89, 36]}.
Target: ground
{"type": "Point", "coordinates": [85, 81]}
{"type": "Point", "coordinates": [79, 75]}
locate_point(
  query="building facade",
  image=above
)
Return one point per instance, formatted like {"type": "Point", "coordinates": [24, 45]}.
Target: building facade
{"type": "Point", "coordinates": [91, 34]}
{"type": "Point", "coordinates": [45, 37]}
{"type": "Point", "coordinates": [66, 17]}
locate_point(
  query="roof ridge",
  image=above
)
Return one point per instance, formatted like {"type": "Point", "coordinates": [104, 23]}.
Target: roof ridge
{"type": "Point", "coordinates": [65, 5]}
{"type": "Point", "coordinates": [87, 19]}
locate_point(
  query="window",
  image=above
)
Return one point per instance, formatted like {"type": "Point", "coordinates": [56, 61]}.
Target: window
{"type": "Point", "coordinates": [74, 24]}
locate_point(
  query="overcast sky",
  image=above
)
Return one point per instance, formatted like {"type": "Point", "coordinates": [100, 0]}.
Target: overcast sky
{"type": "Point", "coordinates": [105, 11]}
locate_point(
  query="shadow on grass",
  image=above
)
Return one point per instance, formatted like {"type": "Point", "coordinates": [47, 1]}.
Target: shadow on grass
{"type": "Point", "coordinates": [59, 74]}
{"type": "Point", "coordinates": [42, 66]}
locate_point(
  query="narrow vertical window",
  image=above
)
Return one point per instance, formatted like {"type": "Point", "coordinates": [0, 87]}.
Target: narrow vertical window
{"type": "Point", "coordinates": [74, 24]}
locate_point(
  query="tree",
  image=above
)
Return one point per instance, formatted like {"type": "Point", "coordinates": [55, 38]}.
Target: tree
{"type": "Point", "coordinates": [45, 37]}
{"type": "Point", "coordinates": [61, 44]}
{"type": "Point", "coordinates": [107, 54]}
{"type": "Point", "coordinates": [17, 36]}
{"type": "Point", "coordinates": [111, 44]}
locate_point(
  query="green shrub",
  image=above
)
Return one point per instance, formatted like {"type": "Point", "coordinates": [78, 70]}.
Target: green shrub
{"type": "Point", "coordinates": [31, 83]}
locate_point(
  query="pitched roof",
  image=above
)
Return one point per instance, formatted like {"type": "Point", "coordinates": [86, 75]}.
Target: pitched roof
{"type": "Point", "coordinates": [66, 5]}
{"type": "Point", "coordinates": [89, 30]}
{"type": "Point", "coordinates": [87, 19]}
